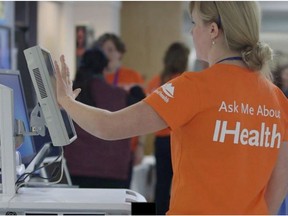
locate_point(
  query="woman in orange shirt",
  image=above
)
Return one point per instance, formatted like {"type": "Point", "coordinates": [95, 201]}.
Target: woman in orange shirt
{"type": "Point", "coordinates": [175, 62]}
{"type": "Point", "coordinates": [228, 123]}
{"type": "Point", "coordinates": [116, 74]}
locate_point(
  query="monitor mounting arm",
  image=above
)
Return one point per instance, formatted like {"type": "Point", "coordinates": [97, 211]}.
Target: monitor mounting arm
{"type": "Point", "coordinates": [37, 124]}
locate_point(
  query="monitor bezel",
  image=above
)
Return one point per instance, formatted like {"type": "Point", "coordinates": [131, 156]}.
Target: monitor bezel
{"type": "Point", "coordinates": [17, 73]}
{"type": "Point", "coordinates": [49, 104]}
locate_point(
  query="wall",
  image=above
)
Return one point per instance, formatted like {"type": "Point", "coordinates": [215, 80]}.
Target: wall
{"type": "Point", "coordinates": [57, 21]}
{"type": "Point", "coordinates": [148, 28]}
{"type": "Point", "coordinates": [274, 29]}
{"type": "Point", "coordinates": [55, 29]}
{"type": "Point", "coordinates": [100, 16]}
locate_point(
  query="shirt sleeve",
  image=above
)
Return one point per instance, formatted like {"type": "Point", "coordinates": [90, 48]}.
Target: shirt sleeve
{"type": "Point", "coordinates": [177, 101]}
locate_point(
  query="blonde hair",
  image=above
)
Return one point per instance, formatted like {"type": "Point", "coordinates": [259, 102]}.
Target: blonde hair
{"type": "Point", "coordinates": [240, 23]}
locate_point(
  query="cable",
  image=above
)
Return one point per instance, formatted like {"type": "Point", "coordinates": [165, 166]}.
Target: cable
{"type": "Point", "coordinates": [22, 183]}
{"type": "Point", "coordinates": [43, 183]}
{"type": "Point", "coordinates": [31, 173]}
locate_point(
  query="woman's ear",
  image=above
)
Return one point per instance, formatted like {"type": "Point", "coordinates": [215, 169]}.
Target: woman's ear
{"type": "Point", "coordinates": [213, 30]}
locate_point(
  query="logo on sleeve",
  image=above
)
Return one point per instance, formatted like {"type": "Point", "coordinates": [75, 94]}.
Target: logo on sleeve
{"type": "Point", "coordinates": [167, 92]}
{"type": "Point", "coordinates": [168, 89]}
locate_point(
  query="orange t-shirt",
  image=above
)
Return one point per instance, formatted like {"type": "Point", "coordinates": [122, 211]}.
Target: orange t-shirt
{"type": "Point", "coordinates": [126, 78]}
{"type": "Point", "coordinates": [227, 124]}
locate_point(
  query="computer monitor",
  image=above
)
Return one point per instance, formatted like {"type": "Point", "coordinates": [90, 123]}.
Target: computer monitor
{"type": "Point", "coordinates": [41, 68]}
{"type": "Point", "coordinates": [12, 80]}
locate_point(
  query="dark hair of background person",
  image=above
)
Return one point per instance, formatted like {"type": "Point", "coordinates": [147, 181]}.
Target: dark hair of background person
{"type": "Point", "coordinates": [92, 64]}
{"type": "Point", "coordinates": [277, 75]}
{"type": "Point", "coordinates": [119, 44]}
{"type": "Point", "coordinates": [175, 61]}
{"type": "Point", "coordinates": [135, 95]}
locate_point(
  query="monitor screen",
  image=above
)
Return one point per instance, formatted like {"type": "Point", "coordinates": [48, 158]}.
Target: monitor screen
{"type": "Point", "coordinates": [12, 80]}
{"type": "Point", "coordinates": [47, 59]}
{"type": "Point", "coordinates": [58, 122]}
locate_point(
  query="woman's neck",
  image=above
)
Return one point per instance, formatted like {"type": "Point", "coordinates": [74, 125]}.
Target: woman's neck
{"type": "Point", "coordinates": [222, 55]}
{"type": "Point", "coordinates": [112, 67]}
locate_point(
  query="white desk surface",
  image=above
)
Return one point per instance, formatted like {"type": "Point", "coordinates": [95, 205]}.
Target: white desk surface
{"type": "Point", "coordinates": [116, 201]}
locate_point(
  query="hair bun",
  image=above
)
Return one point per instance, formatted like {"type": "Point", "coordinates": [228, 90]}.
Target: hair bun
{"type": "Point", "coordinates": [256, 56]}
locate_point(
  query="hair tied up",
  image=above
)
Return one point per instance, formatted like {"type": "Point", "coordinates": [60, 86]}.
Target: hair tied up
{"type": "Point", "coordinates": [257, 55]}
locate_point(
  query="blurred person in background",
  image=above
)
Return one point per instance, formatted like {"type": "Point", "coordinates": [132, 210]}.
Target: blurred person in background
{"type": "Point", "coordinates": [93, 162]}
{"type": "Point", "coordinates": [174, 63]}
{"type": "Point", "coordinates": [81, 43]}
{"type": "Point", "coordinates": [118, 75]}
{"type": "Point", "coordinates": [281, 78]}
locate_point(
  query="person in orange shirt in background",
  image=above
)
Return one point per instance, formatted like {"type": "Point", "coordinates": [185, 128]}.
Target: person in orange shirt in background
{"type": "Point", "coordinates": [175, 62]}
{"type": "Point", "coordinates": [118, 75]}
{"type": "Point", "coordinates": [228, 122]}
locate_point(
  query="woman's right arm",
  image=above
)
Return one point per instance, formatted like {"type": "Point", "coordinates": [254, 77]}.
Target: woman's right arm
{"type": "Point", "coordinates": [278, 184]}
{"type": "Point", "coordinates": [135, 120]}
{"type": "Point", "coordinates": [138, 119]}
